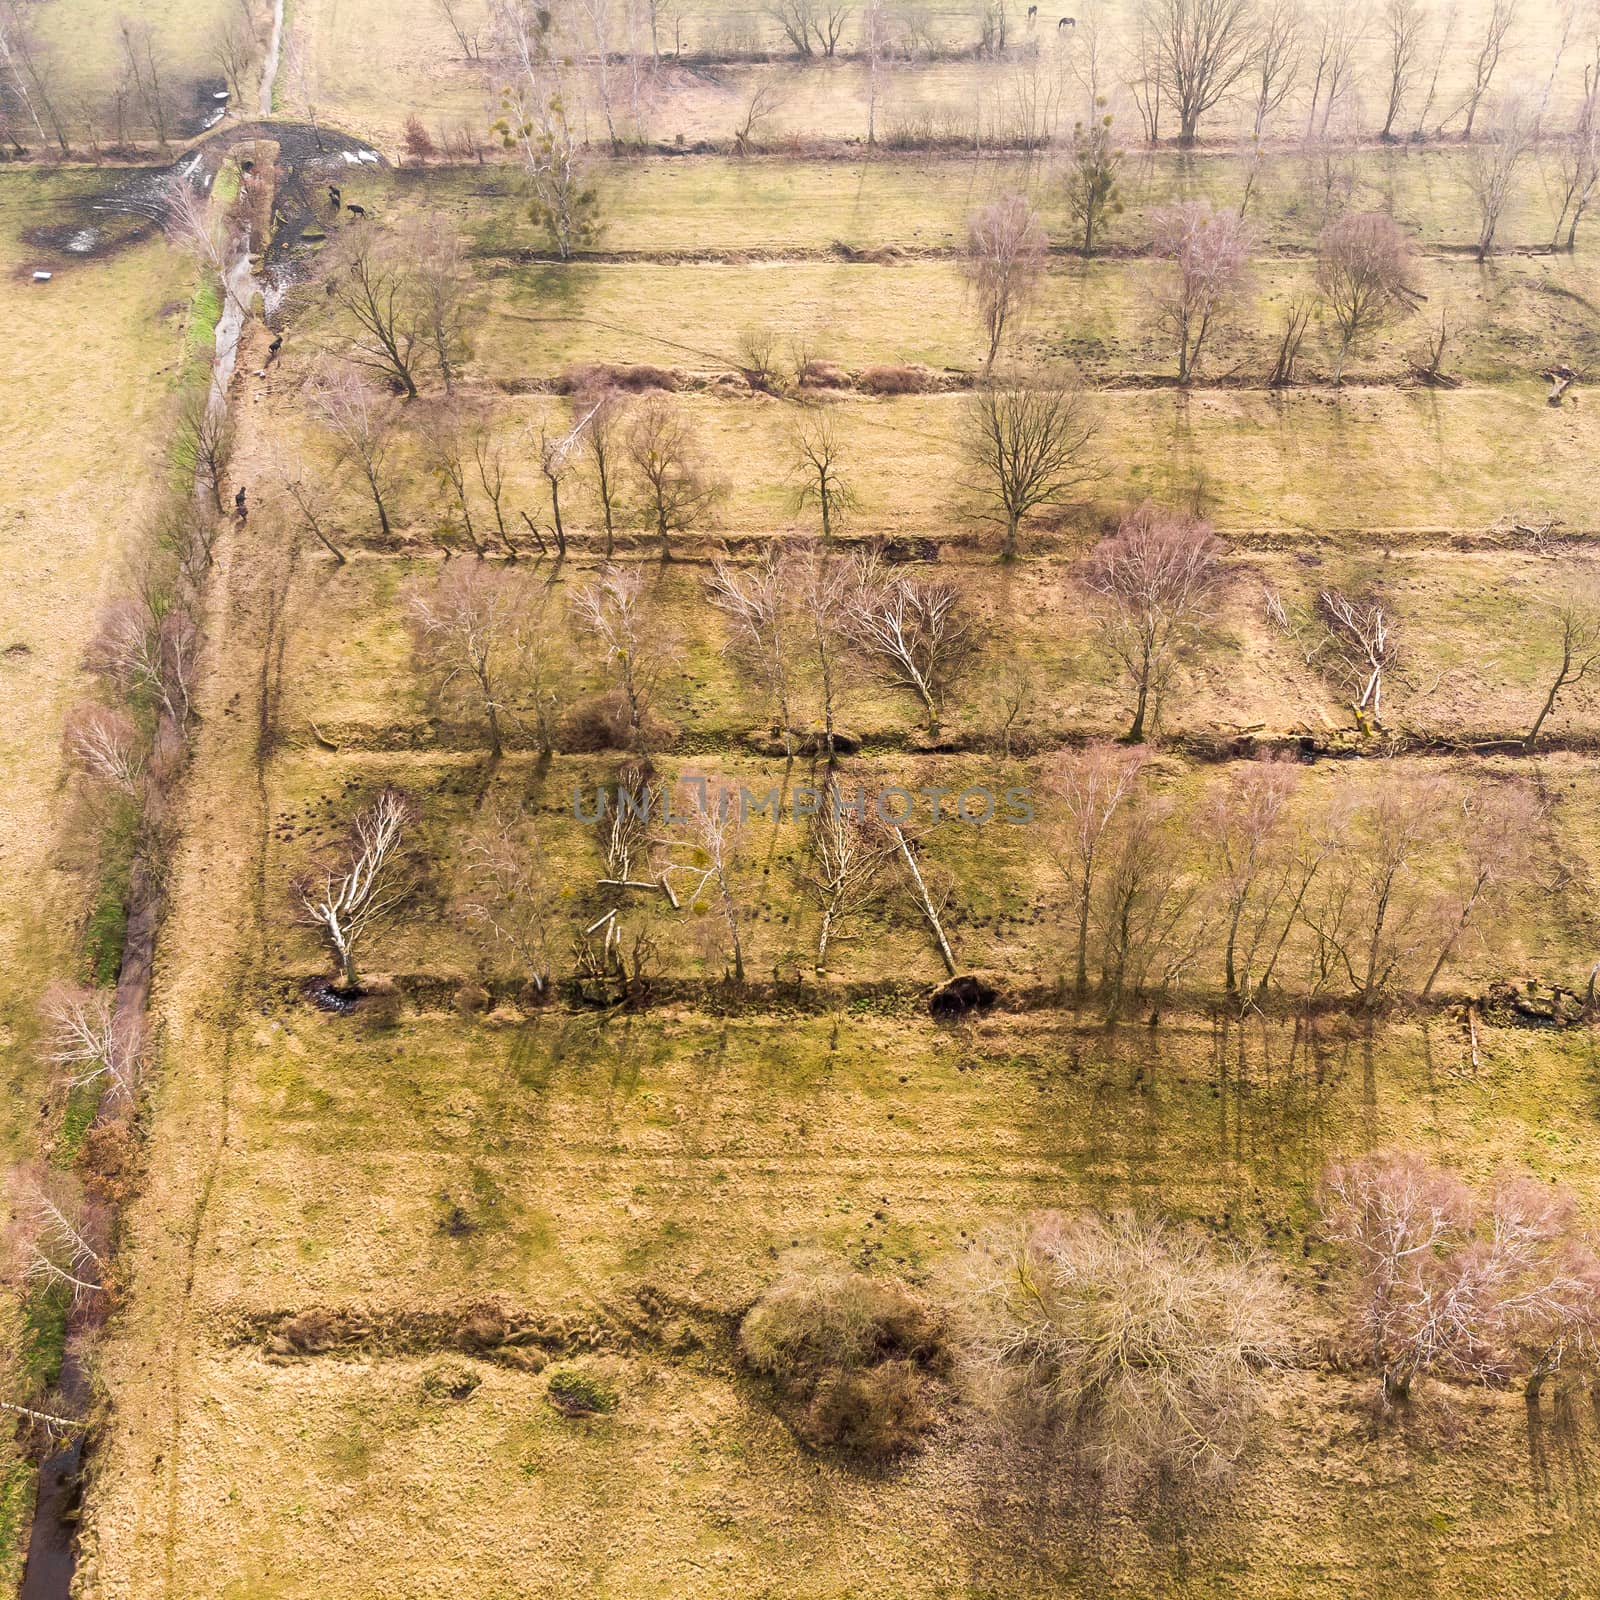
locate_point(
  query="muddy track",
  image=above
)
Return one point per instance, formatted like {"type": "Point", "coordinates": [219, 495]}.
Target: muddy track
{"type": "Point", "coordinates": [645, 1319]}
{"type": "Point", "coordinates": [401, 743]}
{"type": "Point", "coordinates": [892, 255]}
{"type": "Point", "coordinates": [432, 995]}
{"type": "Point", "coordinates": [970, 549]}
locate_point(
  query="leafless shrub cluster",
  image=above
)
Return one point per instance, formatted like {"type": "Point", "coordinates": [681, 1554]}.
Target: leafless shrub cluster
{"type": "Point", "coordinates": [1136, 1345]}
{"type": "Point", "coordinates": [1369, 889]}
{"type": "Point", "coordinates": [857, 1361]}
{"type": "Point", "coordinates": [1447, 1282]}
{"type": "Point", "coordinates": [492, 639]}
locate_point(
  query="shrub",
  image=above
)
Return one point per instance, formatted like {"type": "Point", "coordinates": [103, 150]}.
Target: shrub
{"type": "Point", "coordinates": [856, 1361]}
{"type": "Point", "coordinates": [593, 377]}
{"type": "Point", "coordinates": [1136, 1344]}
{"type": "Point", "coordinates": [898, 380]}
{"type": "Point", "coordinates": [579, 1394]}
{"type": "Point", "coordinates": [449, 1379]}
{"type": "Point", "coordinates": [601, 722]}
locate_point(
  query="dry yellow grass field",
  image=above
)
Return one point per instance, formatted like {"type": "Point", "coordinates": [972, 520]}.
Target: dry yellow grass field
{"type": "Point", "coordinates": [364, 1242]}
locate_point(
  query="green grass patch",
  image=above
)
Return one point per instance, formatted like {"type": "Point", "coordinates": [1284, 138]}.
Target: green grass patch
{"type": "Point", "coordinates": [107, 928]}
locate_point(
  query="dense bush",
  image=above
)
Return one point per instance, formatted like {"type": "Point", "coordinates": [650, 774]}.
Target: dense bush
{"type": "Point", "coordinates": [898, 380]}
{"type": "Point", "coordinates": [856, 1361]}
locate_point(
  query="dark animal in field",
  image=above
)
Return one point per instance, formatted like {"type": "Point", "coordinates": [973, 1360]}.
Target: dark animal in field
{"type": "Point", "coordinates": [961, 996]}
{"type": "Point", "coordinates": [274, 348]}
{"type": "Point", "coordinates": [1066, 22]}
{"type": "Point", "coordinates": [356, 211]}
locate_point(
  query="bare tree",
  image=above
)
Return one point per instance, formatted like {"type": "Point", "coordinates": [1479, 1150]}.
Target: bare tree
{"type": "Point", "coordinates": [878, 46]}
{"type": "Point", "coordinates": [446, 431]}
{"type": "Point", "coordinates": [756, 603]}
{"type": "Point", "coordinates": [373, 278]}
{"type": "Point", "coordinates": [1376, 911]}
{"type": "Point", "coordinates": [233, 49]}
{"type": "Point", "coordinates": [1577, 624]}
{"type": "Point", "coordinates": [794, 19]}
{"type": "Point", "coordinates": [509, 887]}
{"type": "Point", "coordinates": [1291, 335]}
{"type": "Point", "coordinates": [617, 610]}
{"type": "Point", "coordinates": [309, 493]}
{"type": "Point", "coordinates": [149, 646]}
{"type": "Point", "coordinates": [1402, 22]}
{"type": "Point", "coordinates": [1092, 169]}
{"type": "Point", "coordinates": [766, 100]}
{"type": "Point", "coordinates": [1365, 273]}
{"type": "Point", "coordinates": [1136, 1344]}
{"type": "Point", "coordinates": [825, 592]}
{"type": "Point", "coordinates": [1003, 260]}
{"type": "Point", "coordinates": [1092, 785]}
{"type": "Point", "coordinates": [713, 830]}
{"type": "Point", "coordinates": [1210, 254]}
{"type": "Point", "coordinates": [1492, 163]}
{"type": "Point", "coordinates": [930, 900]}
{"type": "Point", "coordinates": [1153, 578]}
{"type": "Point", "coordinates": [1246, 831]}
{"type": "Point", "coordinates": [535, 125]}
{"type": "Point", "coordinates": [1029, 446]}
{"type": "Point", "coordinates": [104, 744]}
{"type": "Point", "coordinates": [1443, 1283]}
{"type": "Point", "coordinates": [361, 424]}
{"type": "Point", "coordinates": [604, 443]}
{"type": "Point", "coordinates": [364, 883]}
{"type": "Point", "coordinates": [469, 34]}
{"type": "Point", "coordinates": [1493, 838]}
{"type": "Point", "coordinates": [1336, 36]}
{"type": "Point", "coordinates": [442, 287]}
{"type": "Point", "coordinates": [817, 457]}
{"type": "Point", "coordinates": [193, 224]}
{"type": "Point", "coordinates": [1502, 13]}
{"type": "Point", "coordinates": [850, 853]}
{"type": "Point", "coordinates": [921, 632]}
{"type": "Point", "coordinates": [138, 44]}
{"type": "Point", "coordinates": [1206, 47]}
{"type": "Point", "coordinates": [204, 441]}
{"type": "Point", "coordinates": [1548, 1317]}
{"type": "Point", "coordinates": [555, 463]}
{"type": "Point", "coordinates": [469, 628]}
{"type": "Point", "coordinates": [57, 1238]}
{"type": "Point", "coordinates": [1577, 157]}
{"type": "Point", "coordinates": [1365, 643]}
{"type": "Point", "coordinates": [489, 464]}
{"type": "Point", "coordinates": [1275, 65]}
{"type": "Point", "coordinates": [28, 73]}
{"type": "Point", "coordinates": [87, 1042]}
{"type": "Point", "coordinates": [1144, 914]}
{"type": "Point", "coordinates": [665, 454]}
